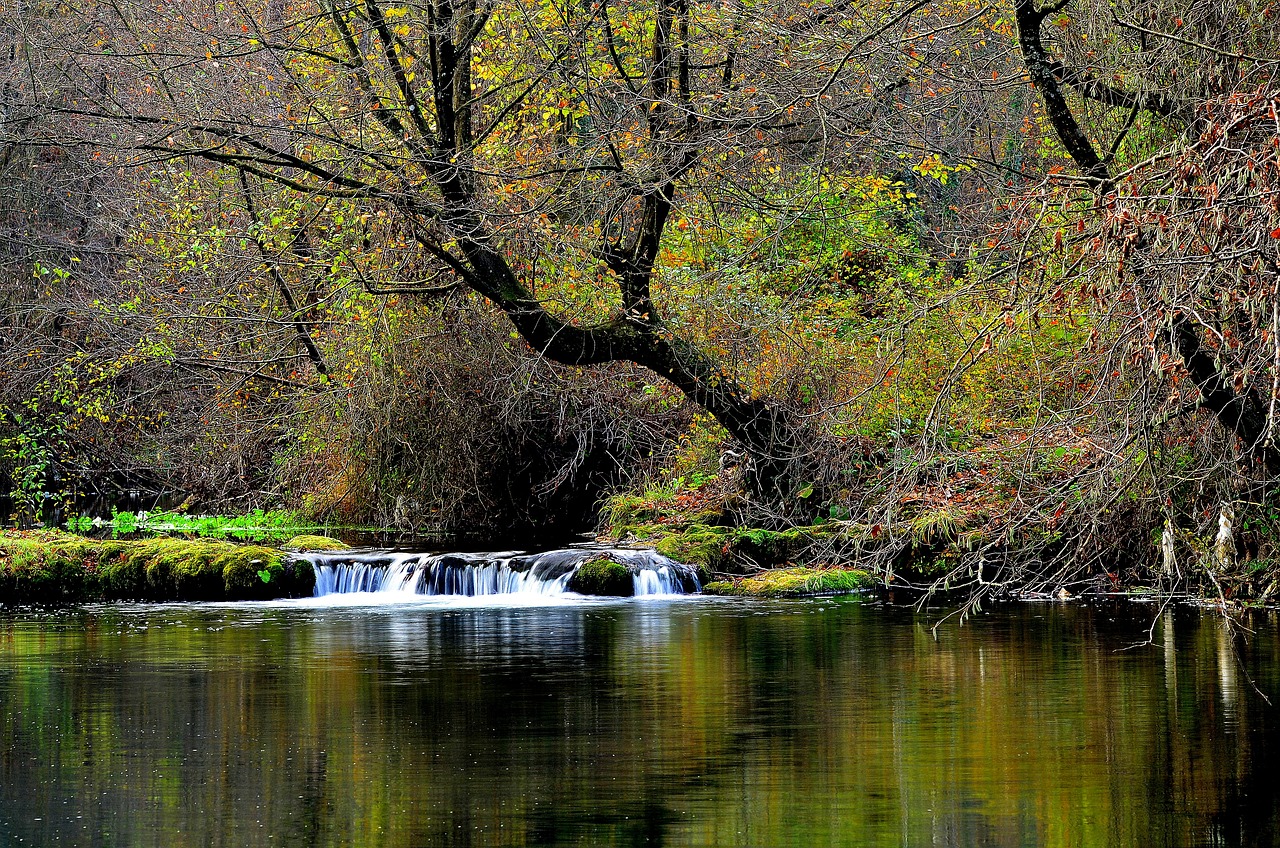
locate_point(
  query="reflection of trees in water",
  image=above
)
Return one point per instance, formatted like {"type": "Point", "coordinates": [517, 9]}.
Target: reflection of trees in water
{"type": "Point", "coordinates": [634, 723]}
{"type": "Point", "coordinates": [417, 638]}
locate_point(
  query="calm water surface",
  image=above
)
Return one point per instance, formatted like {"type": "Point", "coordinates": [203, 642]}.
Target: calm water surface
{"type": "Point", "coordinates": [686, 722]}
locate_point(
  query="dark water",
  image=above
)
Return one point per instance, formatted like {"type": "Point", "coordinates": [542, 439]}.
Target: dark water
{"type": "Point", "coordinates": [693, 722]}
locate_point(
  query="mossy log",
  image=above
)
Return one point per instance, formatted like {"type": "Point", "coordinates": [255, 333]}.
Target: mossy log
{"type": "Point", "coordinates": [53, 568]}
{"type": "Point", "coordinates": [307, 542]}
{"type": "Point", "coordinates": [794, 582]}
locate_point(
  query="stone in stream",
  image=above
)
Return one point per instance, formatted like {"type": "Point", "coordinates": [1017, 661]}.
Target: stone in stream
{"type": "Point", "coordinates": [602, 576]}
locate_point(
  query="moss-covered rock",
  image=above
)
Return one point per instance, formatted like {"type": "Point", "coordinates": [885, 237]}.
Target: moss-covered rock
{"type": "Point", "coordinates": [794, 582]}
{"type": "Point", "coordinates": [307, 542]}
{"type": "Point", "coordinates": [602, 576]}
{"type": "Point", "coordinates": [49, 567]}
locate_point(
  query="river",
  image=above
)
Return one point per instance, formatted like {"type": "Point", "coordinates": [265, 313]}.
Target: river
{"type": "Point", "coordinates": [647, 721]}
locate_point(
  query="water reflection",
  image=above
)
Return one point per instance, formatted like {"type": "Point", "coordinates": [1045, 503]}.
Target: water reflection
{"type": "Point", "coordinates": [681, 723]}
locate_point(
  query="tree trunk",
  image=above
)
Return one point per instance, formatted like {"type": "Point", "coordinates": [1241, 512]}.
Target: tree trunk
{"type": "Point", "coordinates": [772, 437]}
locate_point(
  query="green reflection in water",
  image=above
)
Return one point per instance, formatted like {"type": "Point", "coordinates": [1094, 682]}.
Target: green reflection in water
{"type": "Point", "coordinates": [644, 723]}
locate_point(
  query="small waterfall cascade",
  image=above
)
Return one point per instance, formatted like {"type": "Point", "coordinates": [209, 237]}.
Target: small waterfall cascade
{"type": "Point", "coordinates": [498, 573]}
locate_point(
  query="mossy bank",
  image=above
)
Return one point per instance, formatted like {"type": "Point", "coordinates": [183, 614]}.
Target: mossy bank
{"type": "Point", "coordinates": [53, 568]}
{"type": "Point", "coordinates": [755, 562]}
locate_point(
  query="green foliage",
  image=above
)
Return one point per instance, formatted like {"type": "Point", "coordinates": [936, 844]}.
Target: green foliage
{"type": "Point", "coordinates": [937, 526]}
{"type": "Point", "coordinates": [124, 523]}
{"type": "Point", "coordinates": [260, 525]}
{"type": "Point", "coordinates": [672, 505]}
{"type": "Point", "coordinates": [626, 510]}
{"type": "Point", "coordinates": [29, 449]}
{"type": "Point", "coordinates": [78, 524]}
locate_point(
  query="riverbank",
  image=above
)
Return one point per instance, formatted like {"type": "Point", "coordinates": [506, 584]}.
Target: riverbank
{"type": "Point", "coordinates": [960, 534]}
{"type": "Point", "coordinates": [50, 567]}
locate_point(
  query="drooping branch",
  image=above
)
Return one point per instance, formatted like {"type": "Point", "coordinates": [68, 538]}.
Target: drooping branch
{"type": "Point", "coordinates": [1240, 412]}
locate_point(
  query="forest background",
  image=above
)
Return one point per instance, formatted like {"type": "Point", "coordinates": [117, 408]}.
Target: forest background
{"type": "Point", "coordinates": [974, 295]}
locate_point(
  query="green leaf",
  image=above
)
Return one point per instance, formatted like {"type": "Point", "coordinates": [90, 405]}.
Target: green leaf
{"type": "Point", "coordinates": [265, 575]}
{"type": "Point", "coordinates": [806, 491]}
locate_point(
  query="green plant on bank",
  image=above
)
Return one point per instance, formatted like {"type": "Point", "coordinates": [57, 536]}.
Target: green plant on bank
{"type": "Point", "coordinates": [940, 525]}
{"type": "Point", "coordinates": [29, 451]}
{"type": "Point", "coordinates": [124, 523]}
{"type": "Point", "coordinates": [794, 582]}
{"type": "Point", "coordinates": [260, 525]}
{"type": "Point", "coordinates": [78, 524]}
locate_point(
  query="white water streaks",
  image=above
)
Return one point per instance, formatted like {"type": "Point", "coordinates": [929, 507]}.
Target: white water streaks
{"type": "Point", "coordinates": [401, 575]}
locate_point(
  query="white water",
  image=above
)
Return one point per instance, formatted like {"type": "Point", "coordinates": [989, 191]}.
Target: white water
{"type": "Point", "coordinates": [397, 576]}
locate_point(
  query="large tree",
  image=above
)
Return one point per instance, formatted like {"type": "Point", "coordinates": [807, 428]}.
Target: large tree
{"type": "Point", "coordinates": [498, 135]}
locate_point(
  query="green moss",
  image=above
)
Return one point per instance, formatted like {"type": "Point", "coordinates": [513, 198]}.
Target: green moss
{"type": "Point", "coordinates": [794, 582]}
{"type": "Point", "coordinates": [770, 547]}
{"type": "Point", "coordinates": [251, 571]}
{"type": "Point", "coordinates": [120, 576]}
{"type": "Point", "coordinates": [315, 543]}
{"type": "Point", "coordinates": [698, 545]}
{"type": "Point", "coordinates": [714, 548]}
{"type": "Point", "coordinates": [49, 567]}
{"type": "Point", "coordinates": [602, 576]}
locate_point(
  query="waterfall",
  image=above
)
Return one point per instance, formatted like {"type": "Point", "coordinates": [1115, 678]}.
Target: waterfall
{"type": "Point", "coordinates": [498, 573]}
